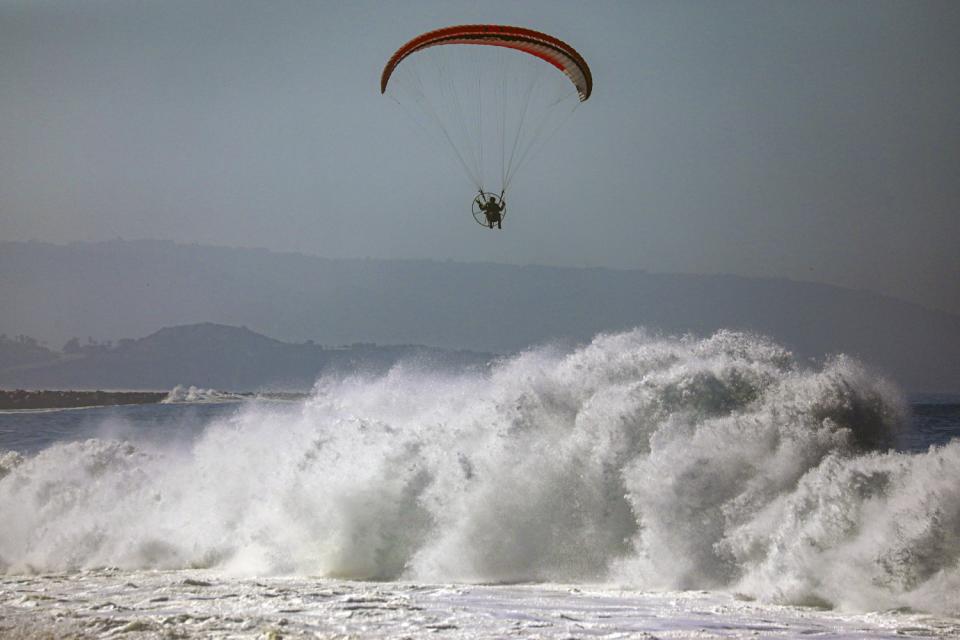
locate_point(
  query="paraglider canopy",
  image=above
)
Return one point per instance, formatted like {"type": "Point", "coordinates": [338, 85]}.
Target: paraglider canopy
{"type": "Point", "coordinates": [544, 46]}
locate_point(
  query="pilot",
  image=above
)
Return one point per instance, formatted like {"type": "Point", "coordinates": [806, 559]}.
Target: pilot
{"type": "Point", "coordinates": [493, 210]}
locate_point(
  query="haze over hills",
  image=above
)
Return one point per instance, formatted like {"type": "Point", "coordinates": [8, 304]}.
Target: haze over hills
{"type": "Point", "coordinates": [122, 288]}
{"type": "Point", "coordinates": [209, 355]}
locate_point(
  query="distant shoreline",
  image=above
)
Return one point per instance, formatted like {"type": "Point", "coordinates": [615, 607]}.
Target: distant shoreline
{"type": "Point", "coordinates": [21, 399]}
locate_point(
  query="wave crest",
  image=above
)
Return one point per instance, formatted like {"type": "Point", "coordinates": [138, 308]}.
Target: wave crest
{"type": "Point", "coordinates": [657, 462]}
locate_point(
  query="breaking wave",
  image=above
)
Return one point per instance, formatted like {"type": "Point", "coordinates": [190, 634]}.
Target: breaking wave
{"type": "Point", "coordinates": [181, 394]}
{"type": "Point", "coordinates": [649, 462]}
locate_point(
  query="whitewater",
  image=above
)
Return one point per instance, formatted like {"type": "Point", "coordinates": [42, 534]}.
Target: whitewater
{"type": "Point", "coordinates": [635, 486]}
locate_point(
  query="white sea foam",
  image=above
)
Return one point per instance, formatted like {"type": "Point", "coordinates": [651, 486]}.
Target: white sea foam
{"type": "Point", "coordinates": [713, 463]}
{"type": "Point", "coordinates": [192, 394]}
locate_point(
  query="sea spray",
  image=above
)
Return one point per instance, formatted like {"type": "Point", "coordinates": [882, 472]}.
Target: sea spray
{"type": "Point", "coordinates": [647, 461]}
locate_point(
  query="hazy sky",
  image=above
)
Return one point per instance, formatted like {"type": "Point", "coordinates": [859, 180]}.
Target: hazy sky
{"type": "Point", "coordinates": [812, 140]}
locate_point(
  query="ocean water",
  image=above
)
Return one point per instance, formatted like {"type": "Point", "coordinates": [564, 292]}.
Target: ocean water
{"type": "Point", "coordinates": [637, 486]}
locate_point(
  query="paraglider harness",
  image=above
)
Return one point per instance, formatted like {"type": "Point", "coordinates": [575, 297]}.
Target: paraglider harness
{"type": "Point", "coordinates": [482, 215]}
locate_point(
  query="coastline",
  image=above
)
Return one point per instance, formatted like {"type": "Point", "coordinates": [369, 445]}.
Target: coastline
{"type": "Point", "coordinates": [21, 399]}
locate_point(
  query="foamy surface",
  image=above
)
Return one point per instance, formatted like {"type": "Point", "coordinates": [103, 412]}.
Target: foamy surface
{"type": "Point", "coordinates": [176, 604]}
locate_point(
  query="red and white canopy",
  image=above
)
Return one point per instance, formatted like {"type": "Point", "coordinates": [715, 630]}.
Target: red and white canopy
{"type": "Point", "coordinates": [553, 50]}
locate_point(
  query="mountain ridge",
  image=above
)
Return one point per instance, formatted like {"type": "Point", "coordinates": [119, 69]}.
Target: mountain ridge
{"type": "Point", "coordinates": [120, 287]}
{"type": "Point", "coordinates": [217, 356]}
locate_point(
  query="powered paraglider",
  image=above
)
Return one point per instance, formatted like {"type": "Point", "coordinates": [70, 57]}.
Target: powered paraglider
{"type": "Point", "coordinates": [493, 105]}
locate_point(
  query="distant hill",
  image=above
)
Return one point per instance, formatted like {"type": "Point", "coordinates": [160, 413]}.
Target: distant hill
{"type": "Point", "coordinates": [23, 351]}
{"type": "Point", "coordinates": [130, 288]}
{"type": "Point", "coordinates": [216, 356]}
